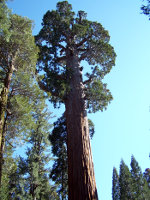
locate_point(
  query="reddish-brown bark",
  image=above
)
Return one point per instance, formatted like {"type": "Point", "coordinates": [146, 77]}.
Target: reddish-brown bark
{"type": "Point", "coordinates": [81, 178]}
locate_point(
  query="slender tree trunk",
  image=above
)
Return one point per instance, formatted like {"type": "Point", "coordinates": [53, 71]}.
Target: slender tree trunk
{"type": "Point", "coordinates": [3, 107]}
{"type": "Point", "coordinates": [2, 150]}
{"type": "Point", "coordinates": [81, 178]}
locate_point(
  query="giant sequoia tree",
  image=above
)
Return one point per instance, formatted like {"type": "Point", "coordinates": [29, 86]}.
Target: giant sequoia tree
{"type": "Point", "coordinates": [66, 40]}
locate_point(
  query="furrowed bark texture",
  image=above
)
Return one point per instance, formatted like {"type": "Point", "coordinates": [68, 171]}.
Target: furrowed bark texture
{"type": "Point", "coordinates": [81, 178]}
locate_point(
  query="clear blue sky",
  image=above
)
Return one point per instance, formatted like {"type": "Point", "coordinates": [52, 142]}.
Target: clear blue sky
{"type": "Point", "coordinates": [124, 128]}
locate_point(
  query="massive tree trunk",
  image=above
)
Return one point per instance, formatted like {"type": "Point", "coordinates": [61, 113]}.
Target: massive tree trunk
{"type": "Point", "coordinates": [81, 178]}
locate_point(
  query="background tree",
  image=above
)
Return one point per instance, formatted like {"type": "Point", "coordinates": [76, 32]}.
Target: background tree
{"type": "Point", "coordinates": [9, 168]}
{"type": "Point", "coordinates": [125, 182]}
{"type": "Point", "coordinates": [65, 40]}
{"type": "Point", "coordinates": [115, 185]}
{"type": "Point", "coordinates": [33, 168]}
{"type": "Point", "coordinates": [18, 119]}
{"type": "Point", "coordinates": [147, 176]}
{"type": "Point", "coordinates": [138, 182]}
{"type": "Point", "coordinates": [4, 21]}
{"type": "Point", "coordinates": [133, 184]}
{"type": "Point", "coordinates": [59, 172]}
{"type": "Point", "coordinates": [17, 51]}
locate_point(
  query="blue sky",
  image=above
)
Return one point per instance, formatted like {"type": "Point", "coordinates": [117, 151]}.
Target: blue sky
{"type": "Point", "coordinates": [124, 128]}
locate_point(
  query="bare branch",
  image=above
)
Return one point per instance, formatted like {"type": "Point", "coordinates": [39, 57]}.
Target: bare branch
{"type": "Point", "coordinates": [82, 42]}
{"type": "Point", "coordinates": [83, 56]}
{"type": "Point", "coordinates": [43, 87]}
{"type": "Point", "coordinates": [59, 59]}
{"type": "Point", "coordinates": [89, 79]}
{"type": "Point", "coordinates": [62, 47]}
{"type": "Point", "coordinates": [9, 143]}
{"type": "Point", "coordinates": [82, 50]}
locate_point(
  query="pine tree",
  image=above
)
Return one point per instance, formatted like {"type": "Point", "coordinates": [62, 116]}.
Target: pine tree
{"type": "Point", "coordinates": [17, 51]}
{"type": "Point", "coordinates": [4, 21]}
{"type": "Point", "coordinates": [37, 184]}
{"type": "Point", "coordinates": [9, 168]}
{"type": "Point", "coordinates": [18, 119]}
{"type": "Point", "coordinates": [125, 182]}
{"type": "Point", "coordinates": [146, 175]}
{"type": "Point", "coordinates": [115, 185]}
{"type": "Point", "coordinates": [133, 184]}
{"type": "Point", "coordinates": [64, 41]}
{"type": "Point", "coordinates": [138, 182]}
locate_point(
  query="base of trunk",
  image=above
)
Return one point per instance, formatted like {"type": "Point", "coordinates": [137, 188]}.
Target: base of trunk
{"type": "Point", "coordinates": [81, 178]}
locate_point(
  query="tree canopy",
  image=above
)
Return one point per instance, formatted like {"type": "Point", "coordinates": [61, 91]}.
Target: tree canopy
{"type": "Point", "coordinates": [64, 34]}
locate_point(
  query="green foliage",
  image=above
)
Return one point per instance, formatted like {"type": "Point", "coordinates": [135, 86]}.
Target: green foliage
{"type": "Point", "coordinates": [125, 182]}
{"type": "Point", "coordinates": [21, 100]}
{"type": "Point", "coordinates": [130, 184]}
{"type": "Point", "coordinates": [97, 95]}
{"type": "Point", "coordinates": [31, 171]}
{"type": "Point", "coordinates": [18, 56]}
{"type": "Point", "coordinates": [59, 172]}
{"type": "Point", "coordinates": [91, 128]}
{"type": "Point", "coordinates": [9, 168]}
{"type": "Point", "coordinates": [115, 185]}
{"type": "Point", "coordinates": [20, 50]}
{"type": "Point", "coordinates": [64, 36]}
{"type": "Point", "coordinates": [138, 182]}
{"type": "Point", "coordinates": [146, 8]}
{"type": "Point", "coordinates": [4, 21]}
{"type": "Point", "coordinates": [147, 176]}
{"type": "Point", "coordinates": [147, 183]}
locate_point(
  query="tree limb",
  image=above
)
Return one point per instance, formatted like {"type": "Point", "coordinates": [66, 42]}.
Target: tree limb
{"type": "Point", "coordinates": [83, 56]}
{"type": "Point", "coordinates": [90, 77]}
{"type": "Point", "coordinates": [9, 143]}
{"type": "Point", "coordinates": [82, 50]}
{"type": "Point", "coordinates": [83, 41]}
{"type": "Point", "coordinates": [45, 89]}
{"type": "Point", "coordinates": [62, 47]}
{"type": "Point", "coordinates": [59, 59]}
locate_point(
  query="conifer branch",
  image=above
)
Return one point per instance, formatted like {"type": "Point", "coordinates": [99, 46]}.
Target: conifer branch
{"type": "Point", "coordinates": [83, 41]}
{"type": "Point", "coordinates": [46, 89]}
